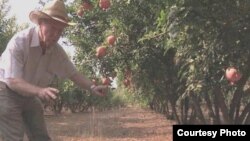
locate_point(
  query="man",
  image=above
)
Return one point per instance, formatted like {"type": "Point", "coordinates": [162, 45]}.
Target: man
{"type": "Point", "coordinates": [31, 60]}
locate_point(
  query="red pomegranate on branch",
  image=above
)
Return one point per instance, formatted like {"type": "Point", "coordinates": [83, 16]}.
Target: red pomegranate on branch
{"type": "Point", "coordinates": [232, 75]}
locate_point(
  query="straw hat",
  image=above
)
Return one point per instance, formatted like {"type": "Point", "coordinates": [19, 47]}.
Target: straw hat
{"type": "Point", "coordinates": [53, 10]}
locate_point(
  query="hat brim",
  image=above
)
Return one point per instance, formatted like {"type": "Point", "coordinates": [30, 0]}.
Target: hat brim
{"type": "Point", "coordinates": [36, 15]}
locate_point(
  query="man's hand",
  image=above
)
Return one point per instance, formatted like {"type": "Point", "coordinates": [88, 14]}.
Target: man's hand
{"type": "Point", "coordinates": [85, 83]}
{"type": "Point", "coordinates": [100, 90]}
{"type": "Point", "coordinates": [48, 93]}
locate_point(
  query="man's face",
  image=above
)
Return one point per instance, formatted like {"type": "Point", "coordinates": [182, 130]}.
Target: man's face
{"type": "Point", "coordinates": [50, 31]}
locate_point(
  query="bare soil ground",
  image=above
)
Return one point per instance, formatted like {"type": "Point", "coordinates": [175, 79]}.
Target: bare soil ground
{"type": "Point", "coordinates": [126, 124]}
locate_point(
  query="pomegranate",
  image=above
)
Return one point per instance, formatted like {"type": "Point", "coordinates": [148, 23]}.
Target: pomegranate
{"type": "Point", "coordinates": [104, 4]}
{"type": "Point", "coordinates": [111, 39]}
{"type": "Point", "coordinates": [106, 81]}
{"type": "Point", "coordinates": [87, 5]}
{"type": "Point", "coordinates": [126, 82]}
{"type": "Point", "coordinates": [94, 81]}
{"type": "Point", "coordinates": [80, 12]}
{"type": "Point", "coordinates": [100, 51]}
{"type": "Point", "coordinates": [232, 75]}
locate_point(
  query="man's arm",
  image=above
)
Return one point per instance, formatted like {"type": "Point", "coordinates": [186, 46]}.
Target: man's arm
{"type": "Point", "coordinates": [26, 89]}
{"type": "Point", "coordinates": [87, 84]}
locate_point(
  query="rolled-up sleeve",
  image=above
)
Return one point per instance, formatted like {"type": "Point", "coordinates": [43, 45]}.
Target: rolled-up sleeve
{"type": "Point", "coordinates": [12, 60]}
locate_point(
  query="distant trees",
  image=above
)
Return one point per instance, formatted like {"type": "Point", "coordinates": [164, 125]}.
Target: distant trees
{"type": "Point", "coordinates": [8, 25]}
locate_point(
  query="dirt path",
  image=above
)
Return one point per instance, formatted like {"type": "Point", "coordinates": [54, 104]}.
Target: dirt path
{"type": "Point", "coordinates": [128, 124]}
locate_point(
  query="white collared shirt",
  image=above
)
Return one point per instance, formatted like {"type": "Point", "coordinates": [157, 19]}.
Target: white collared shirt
{"type": "Point", "coordinates": [23, 58]}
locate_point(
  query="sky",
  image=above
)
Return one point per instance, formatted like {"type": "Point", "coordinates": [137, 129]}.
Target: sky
{"type": "Point", "coordinates": [22, 8]}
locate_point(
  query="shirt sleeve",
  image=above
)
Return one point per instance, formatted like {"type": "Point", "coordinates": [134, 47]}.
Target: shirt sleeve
{"type": "Point", "coordinates": [12, 60]}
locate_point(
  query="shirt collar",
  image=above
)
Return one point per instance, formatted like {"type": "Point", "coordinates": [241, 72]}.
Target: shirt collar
{"type": "Point", "coordinates": [35, 38]}
{"type": "Point", "coordinates": [35, 41]}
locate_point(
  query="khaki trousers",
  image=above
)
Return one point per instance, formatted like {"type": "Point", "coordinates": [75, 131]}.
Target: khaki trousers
{"type": "Point", "coordinates": [20, 114]}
